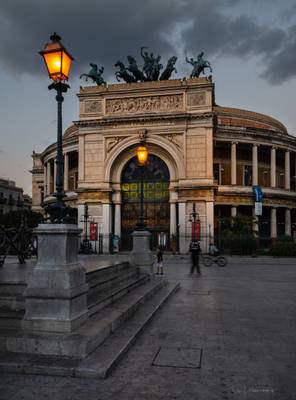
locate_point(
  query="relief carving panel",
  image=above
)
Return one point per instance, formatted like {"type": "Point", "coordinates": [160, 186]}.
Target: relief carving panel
{"type": "Point", "coordinates": [93, 106]}
{"type": "Point", "coordinates": [132, 105]}
{"type": "Point", "coordinates": [176, 139]}
{"type": "Point", "coordinates": [196, 99]}
{"type": "Point", "coordinates": [112, 142]}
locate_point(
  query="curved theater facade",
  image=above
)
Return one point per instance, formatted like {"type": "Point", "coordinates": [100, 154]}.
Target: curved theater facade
{"type": "Point", "coordinates": [199, 153]}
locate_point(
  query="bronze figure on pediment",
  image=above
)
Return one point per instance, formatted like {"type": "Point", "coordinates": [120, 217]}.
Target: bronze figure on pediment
{"type": "Point", "coordinates": [95, 74]}
{"type": "Point", "coordinates": [199, 65]}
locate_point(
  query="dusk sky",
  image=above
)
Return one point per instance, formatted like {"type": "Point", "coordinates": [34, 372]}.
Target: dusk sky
{"type": "Point", "coordinates": [250, 44]}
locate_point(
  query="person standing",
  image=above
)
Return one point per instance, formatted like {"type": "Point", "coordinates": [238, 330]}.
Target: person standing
{"type": "Point", "coordinates": [159, 256]}
{"type": "Point", "coordinates": [195, 251]}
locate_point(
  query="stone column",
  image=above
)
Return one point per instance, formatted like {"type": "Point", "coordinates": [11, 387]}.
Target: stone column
{"type": "Point", "coordinates": [288, 222]}
{"type": "Point", "coordinates": [66, 172]}
{"type": "Point", "coordinates": [233, 163]}
{"type": "Point", "coordinates": [106, 227]}
{"type": "Point", "coordinates": [56, 293]}
{"type": "Point", "coordinates": [287, 170]}
{"type": "Point", "coordinates": [45, 179]}
{"type": "Point", "coordinates": [54, 174]}
{"type": "Point", "coordinates": [182, 228]}
{"type": "Point", "coordinates": [273, 223]}
{"type": "Point", "coordinates": [117, 222]}
{"type": "Point", "coordinates": [255, 165]}
{"type": "Point", "coordinates": [233, 211]}
{"type": "Point", "coordinates": [220, 174]}
{"type": "Point", "coordinates": [48, 170]}
{"type": "Point", "coordinates": [273, 167]}
{"type": "Point", "coordinates": [210, 223]}
{"type": "Point", "coordinates": [173, 219]}
{"type": "Point", "coordinates": [81, 157]}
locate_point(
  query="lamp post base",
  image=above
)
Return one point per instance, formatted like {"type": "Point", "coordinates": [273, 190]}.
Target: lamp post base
{"type": "Point", "coordinates": [59, 213]}
{"type": "Point", "coordinates": [141, 255]}
{"type": "Point", "coordinates": [56, 292]}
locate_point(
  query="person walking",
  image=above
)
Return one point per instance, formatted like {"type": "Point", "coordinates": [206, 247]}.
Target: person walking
{"type": "Point", "coordinates": [159, 264]}
{"type": "Point", "coordinates": [195, 251]}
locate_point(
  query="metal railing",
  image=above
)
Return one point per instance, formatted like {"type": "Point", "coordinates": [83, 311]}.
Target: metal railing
{"type": "Point", "coordinates": [20, 241]}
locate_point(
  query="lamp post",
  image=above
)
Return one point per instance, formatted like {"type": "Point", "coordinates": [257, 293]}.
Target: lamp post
{"type": "Point", "coordinates": [142, 155]}
{"type": "Point", "coordinates": [195, 221]}
{"type": "Point", "coordinates": [58, 62]}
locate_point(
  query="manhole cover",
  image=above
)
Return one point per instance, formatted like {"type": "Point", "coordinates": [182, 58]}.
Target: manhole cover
{"type": "Point", "coordinates": [178, 357]}
{"type": "Point", "coordinates": [199, 292]}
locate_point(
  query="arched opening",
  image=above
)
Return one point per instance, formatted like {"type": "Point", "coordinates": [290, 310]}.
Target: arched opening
{"type": "Point", "coordinates": [156, 199]}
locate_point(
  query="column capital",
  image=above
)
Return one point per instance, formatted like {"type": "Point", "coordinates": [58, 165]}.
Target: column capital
{"type": "Point", "coordinates": [256, 145]}
{"type": "Point", "coordinates": [234, 142]}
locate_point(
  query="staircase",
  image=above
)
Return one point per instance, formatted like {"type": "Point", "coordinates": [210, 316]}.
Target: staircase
{"type": "Point", "coordinates": [119, 296]}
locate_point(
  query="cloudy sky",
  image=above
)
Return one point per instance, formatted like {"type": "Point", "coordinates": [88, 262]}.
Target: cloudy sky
{"type": "Point", "coordinates": [251, 45]}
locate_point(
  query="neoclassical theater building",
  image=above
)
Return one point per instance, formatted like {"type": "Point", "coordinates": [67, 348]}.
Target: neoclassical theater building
{"type": "Point", "coordinates": [199, 153]}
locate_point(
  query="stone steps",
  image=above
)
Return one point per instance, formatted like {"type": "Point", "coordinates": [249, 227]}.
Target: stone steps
{"type": "Point", "coordinates": [104, 359]}
{"type": "Point", "coordinates": [89, 336]}
{"type": "Point", "coordinates": [101, 362]}
{"type": "Point", "coordinates": [98, 300]}
{"type": "Point", "coordinates": [10, 319]}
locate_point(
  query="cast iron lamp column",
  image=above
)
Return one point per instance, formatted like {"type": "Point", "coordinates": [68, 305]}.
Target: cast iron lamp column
{"type": "Point", "coordinates": [58, 62]}
{"type": "Point", "coordinates": [142, 155]}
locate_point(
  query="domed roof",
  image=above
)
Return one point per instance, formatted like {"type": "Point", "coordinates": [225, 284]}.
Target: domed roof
{"type": "Point", "coordinates": [70, 132]}
{"type": "Point", "coordinates": [247, 119]}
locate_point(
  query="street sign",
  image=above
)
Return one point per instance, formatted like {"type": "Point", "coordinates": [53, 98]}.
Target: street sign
{"type": "Point", "coordinates": [257, 190]}
{"type": "Point", "coordinates": [258, 208]}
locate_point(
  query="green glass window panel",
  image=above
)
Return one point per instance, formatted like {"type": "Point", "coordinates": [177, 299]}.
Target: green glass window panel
{"type": "Point", "coordinates": [125, 187]}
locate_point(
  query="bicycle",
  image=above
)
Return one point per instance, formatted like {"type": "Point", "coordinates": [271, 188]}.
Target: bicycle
{"type": "Point", "coordinates": [208, 260]}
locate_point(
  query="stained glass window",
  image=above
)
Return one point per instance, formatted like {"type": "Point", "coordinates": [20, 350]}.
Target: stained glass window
{"type": "Point", "coordinates": [156, 181]}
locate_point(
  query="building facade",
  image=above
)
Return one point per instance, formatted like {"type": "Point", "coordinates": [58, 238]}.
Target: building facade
{"type": "Point", "coordinates": [199, 153]}
{"type": "Point", "coordinates": [12, 197]}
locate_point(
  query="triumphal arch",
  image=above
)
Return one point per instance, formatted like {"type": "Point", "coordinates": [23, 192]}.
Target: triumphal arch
{"type": "Point", "coordinates": [176, 119]}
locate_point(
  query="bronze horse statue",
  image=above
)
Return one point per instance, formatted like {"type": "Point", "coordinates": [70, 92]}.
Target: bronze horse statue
{"type": "Point", "coordinates": [199, 65]}
{"type": "Point", "coordinates": [95, 74]}
{"type": "Point", "coordinates": [169, 69]}
{"type": "Point", "coordinates": [123, 73]}
{"type": "Point", "coordinates": [133, 68]}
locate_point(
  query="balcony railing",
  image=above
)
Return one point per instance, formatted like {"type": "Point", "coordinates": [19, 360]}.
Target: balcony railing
{"type": "Point", "coordinates": [3, 200]}
{"type": "Point", "coordinates": [11, 201]}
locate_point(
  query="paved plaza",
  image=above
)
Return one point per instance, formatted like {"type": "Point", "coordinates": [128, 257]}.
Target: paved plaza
{"type": "Point", "coordinates": [229, 334]}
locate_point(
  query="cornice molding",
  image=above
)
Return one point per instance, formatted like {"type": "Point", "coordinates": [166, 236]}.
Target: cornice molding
{"type": "Point", "coordinates": [140, 119]}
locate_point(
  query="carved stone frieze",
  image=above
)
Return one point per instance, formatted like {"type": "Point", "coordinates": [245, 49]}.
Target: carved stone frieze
{"type": "Point", "coordinates": [112, 142]}
{"type": "Point", "coordinates": [93, 106]}
{"type": "Point", "coordinates": [176, 139]}
{"type": "Point", "coordinates": [132, 105]}
{"type": "Point", "coordinates": [196, 99]}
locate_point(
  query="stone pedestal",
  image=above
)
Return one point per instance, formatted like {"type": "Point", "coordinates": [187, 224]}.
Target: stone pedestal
{"type": "Point", "coordinates": [141, 255]}
{"type": "Point", "coordinates": [55, 297]}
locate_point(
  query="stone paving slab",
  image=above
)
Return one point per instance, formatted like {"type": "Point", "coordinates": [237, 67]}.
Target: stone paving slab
{"type": "Point", "coordinates": [246, 327]}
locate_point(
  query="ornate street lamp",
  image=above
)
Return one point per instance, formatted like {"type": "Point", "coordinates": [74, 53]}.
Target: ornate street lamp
{"type": "Point", "coordinates": [58, 62]}
{"type": "Point", "coordinates": [195, 221]}
{"type": "Point", "coordinates": [142, 155]}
